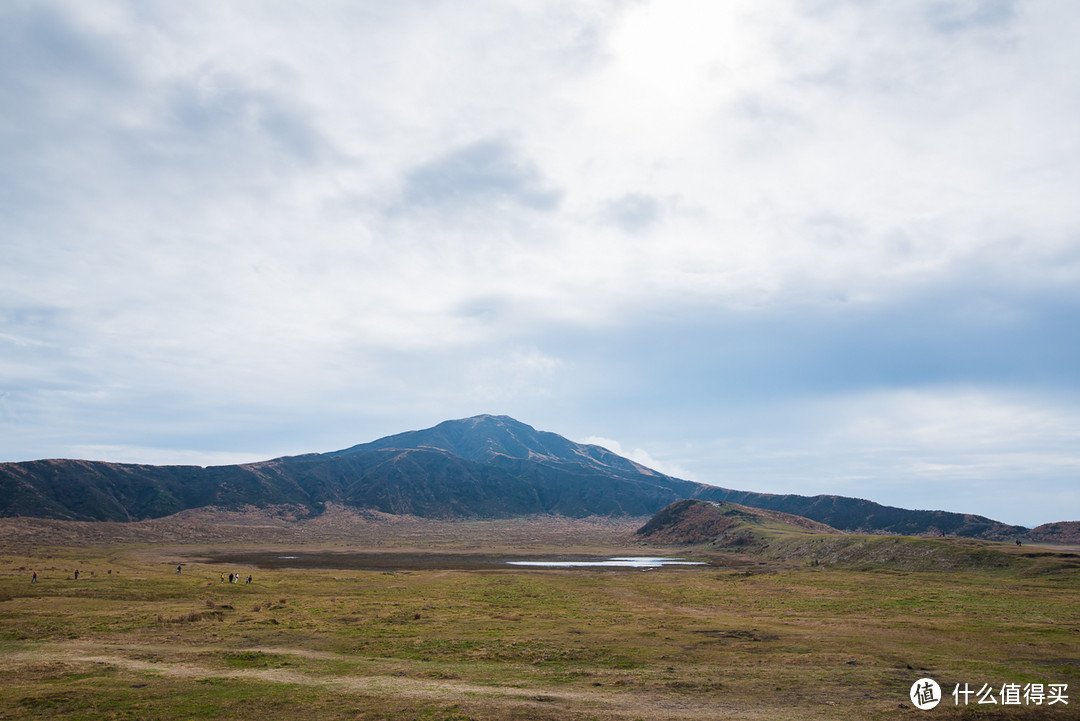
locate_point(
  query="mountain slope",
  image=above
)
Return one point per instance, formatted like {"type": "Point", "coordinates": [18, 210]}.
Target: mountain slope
{"type": "Point", "coordinates": [485, 466]}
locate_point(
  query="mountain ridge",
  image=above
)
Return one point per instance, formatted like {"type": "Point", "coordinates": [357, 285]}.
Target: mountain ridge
{"type": "Point", "coordinates": [483, 466]}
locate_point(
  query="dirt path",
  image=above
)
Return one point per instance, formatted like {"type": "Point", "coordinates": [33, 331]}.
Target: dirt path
{"type": "Point", "coordinates": [602, 703]}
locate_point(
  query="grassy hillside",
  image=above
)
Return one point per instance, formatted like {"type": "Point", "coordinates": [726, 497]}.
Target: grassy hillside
{"type": "Point", "coordinates": [730, 527]}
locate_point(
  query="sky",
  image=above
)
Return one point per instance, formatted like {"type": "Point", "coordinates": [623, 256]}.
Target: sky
{"type": "Point", "coordinates": [788, 246]}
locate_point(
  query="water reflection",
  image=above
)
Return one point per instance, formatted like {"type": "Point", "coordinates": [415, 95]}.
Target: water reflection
{"type": "Point", "coordinates": [619, 562]}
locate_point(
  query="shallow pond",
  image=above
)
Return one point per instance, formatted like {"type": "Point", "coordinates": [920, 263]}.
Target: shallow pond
{"type": "Point", "coordinates": [618, 562]}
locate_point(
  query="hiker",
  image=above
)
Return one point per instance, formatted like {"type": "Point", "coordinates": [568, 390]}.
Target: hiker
{"type": "Point", "coordinates": [76, 574]}
{"type": "Point", "coordinates": [249, 579]}
{"type": "Point", "coordinates": [223, 577]}
{"type": "Point", "coordinates": [34, 579]}
{"type": "Point", "coordinates": [178, 569]}
{"type": "Point", "coordinates": [1018, 542]}
{"type": "Point", "coordinates": [230, 578]}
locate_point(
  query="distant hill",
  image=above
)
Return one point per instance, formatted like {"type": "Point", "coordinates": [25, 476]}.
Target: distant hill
{"type": "Point", "coordinates": [481, 467]}
{"type": "Point", "coordinates": [755, 532]}
{"type": "Point", "coordinates": [693, 522]}
{"type": "Point", "coordinates": [860, 516]}
{"type": "Point", "coordinates": [1063, 532]}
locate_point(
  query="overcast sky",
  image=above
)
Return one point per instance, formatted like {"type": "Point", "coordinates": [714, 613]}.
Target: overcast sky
{"type": "Point", "coordinates": [793, 246]}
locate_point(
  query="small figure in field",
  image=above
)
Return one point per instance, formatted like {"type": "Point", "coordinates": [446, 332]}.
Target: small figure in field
{"type": "Point", "coordinates": [249, 579]}
{"type": "Point", "coordinates": [76, 574]}
{"type": "Point", "coordinates": [223, 578]}
{"type": "Point", "coordinates": [236, 578]}
{"type": "Point", "coordinates": [1018, 543]}
{"type": "Point", "coordinates": [33, 579]}
{"type": "Point", "coordinates": [230, 578]}
{"type": "Point", "coordinates": [178, 569]}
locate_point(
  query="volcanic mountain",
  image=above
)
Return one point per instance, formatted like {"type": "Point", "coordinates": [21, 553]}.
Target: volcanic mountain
{"type": "Point", "coordinates": [485, 466]}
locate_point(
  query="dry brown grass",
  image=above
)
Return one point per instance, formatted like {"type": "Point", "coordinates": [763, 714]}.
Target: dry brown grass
{"type": "Point", "coordinates": [758, 639]}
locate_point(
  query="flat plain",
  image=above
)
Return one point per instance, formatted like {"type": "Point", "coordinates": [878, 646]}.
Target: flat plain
{"type": "Point", "coordinates": [745, 637]}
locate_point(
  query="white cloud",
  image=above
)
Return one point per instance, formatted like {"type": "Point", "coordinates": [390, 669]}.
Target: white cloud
{"type": "Point", "coordinates": [164, 456]}
{"type": "Point", "coordinates": [864, 114]}
{"type": "Point", "coordinates": [960, 449]}
{"type": "Point", "coordinates": [515, 373]}
{"type": "Point", "coordinates": [235, 141]}
{"type": "Point", "coordinates": [640, 455]}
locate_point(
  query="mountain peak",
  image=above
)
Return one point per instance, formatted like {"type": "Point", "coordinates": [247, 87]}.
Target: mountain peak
{"type": "Point", "coordinates": [486, 423]}
{"type": "Point", "coordinates": [507, 442]}
{"type": "Point", "coordinates": [489, 417]}
{"type": "Point", "coordinates": [478, 438]}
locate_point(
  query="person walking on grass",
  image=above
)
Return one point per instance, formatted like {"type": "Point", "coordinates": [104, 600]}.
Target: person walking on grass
{"type": "Point", "coordinates": [33, 579]}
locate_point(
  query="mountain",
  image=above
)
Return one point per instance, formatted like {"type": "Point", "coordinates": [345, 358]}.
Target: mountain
{"type": "Point", "coordinates": [485, 466]}
{"type": "Point", "coordinates": [481, 466]}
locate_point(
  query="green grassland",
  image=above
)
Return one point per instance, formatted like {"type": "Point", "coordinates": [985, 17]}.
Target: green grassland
{"type": "Point", "coordinates": [791, 630]}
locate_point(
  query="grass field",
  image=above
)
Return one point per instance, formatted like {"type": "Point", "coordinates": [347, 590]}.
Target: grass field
{"type": "Point", "coordinates": [752, 638]}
